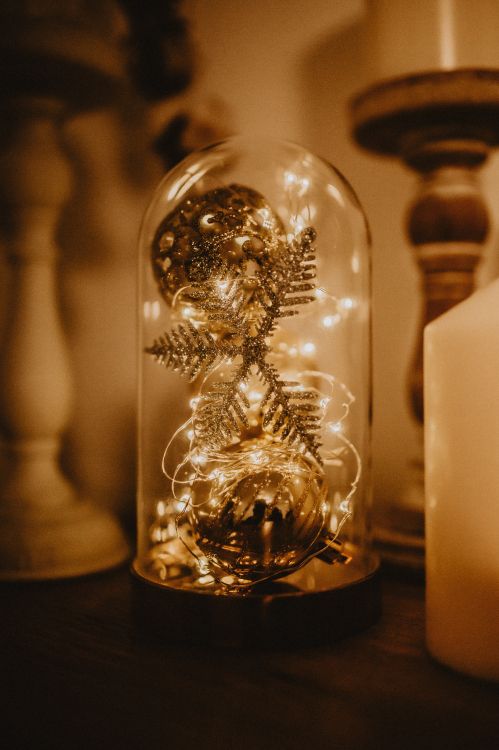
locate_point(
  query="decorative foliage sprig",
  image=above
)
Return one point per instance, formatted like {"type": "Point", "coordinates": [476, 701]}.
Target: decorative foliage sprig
{"type": "Point", "coordinates": [228, 334]}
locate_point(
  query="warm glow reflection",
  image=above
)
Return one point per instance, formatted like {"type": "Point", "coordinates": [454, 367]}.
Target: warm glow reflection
{"type": "Point", "coordinates": [183, 184]}
{"type": "Point", "coordinates": [335, 193]}
{"type": "Point", "coordinates": [347, 303]}
{"type": "Point", "coordinates": [308, 348]}
{"type": "Point", "coordinates": [329, 321]}
{"type": "Point", "coordinates": [151, 310]}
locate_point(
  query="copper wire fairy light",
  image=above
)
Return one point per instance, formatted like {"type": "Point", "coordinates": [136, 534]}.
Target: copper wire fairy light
{"type": "Point", "coordinates": [256, 506]}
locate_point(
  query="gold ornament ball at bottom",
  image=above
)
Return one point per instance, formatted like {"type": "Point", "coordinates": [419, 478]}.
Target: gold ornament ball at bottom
{"type": "Point", "coordinates": [262, 521]}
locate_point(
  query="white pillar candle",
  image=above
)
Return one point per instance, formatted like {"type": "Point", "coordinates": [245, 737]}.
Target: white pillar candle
{"type": "Point", "coordinates": [462, 485]}
{"type": "Point", "coordinates": [405, 37]}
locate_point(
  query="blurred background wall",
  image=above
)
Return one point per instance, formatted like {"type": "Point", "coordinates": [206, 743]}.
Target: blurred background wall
{"type": "Point", "coordinates": [289, 69]}
{"type": "Point", "coordinates": [285, 68]}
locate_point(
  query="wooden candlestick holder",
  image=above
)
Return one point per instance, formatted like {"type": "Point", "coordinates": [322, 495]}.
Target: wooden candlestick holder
{"type": "Point", "coordinates": [442, 125]}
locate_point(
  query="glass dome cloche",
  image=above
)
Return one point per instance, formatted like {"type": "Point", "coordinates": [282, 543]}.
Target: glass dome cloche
{"type": "Point", "coordinates": [254, 405]}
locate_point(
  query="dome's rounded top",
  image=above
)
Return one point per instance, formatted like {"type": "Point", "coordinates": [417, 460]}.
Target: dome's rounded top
{"type": "Point", "coordinates": [238, 201]}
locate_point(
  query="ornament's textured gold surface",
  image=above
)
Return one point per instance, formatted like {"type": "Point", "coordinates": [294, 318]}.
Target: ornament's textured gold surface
{"type": "Point", "coordinates": [228, 226]}
{"type": "Point", "coordinates": [261, 513]}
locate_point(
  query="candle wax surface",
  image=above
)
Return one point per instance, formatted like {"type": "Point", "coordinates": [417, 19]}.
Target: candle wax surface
{"type": "Point", "coordinates": [462, 484]}
{"type": "Point", "coordinates": [406, 37]}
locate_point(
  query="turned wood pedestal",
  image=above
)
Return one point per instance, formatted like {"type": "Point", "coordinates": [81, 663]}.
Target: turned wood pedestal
{"type": "Point", "coordinates": [442, 125]}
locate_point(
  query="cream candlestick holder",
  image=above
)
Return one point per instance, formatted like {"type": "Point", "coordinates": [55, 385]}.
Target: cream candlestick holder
{"type": "Point", "coordinates": [54, 60]}
{"type": "Point", "coordinates": [46, 531]}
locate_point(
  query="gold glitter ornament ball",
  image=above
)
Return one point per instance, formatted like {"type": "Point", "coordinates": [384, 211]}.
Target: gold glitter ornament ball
{"type": "Point", "coordinates": [228, 227]}
{"type": "Point", "coordinates": [262, 520]}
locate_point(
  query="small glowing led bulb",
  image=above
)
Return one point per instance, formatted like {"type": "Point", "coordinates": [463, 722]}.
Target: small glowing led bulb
{"type": "Point", "coordinates": [308, 348]}
{"type": "Point", "coordinates": [161, 508]}
{"type": "Point", "coordinates": [198, 459]}
{"type": "Point", "coordinates": [347, 303]}
{"type": "Point", "coordinates": [321, 294]}
{"type": "Point", "coordinates": [328, 321]}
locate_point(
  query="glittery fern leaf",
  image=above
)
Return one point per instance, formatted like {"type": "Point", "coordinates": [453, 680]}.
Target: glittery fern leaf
{"type": "Point", "coordinates": [187, 350]}
{"type": "Point", "coordinates": [222, 299]}
{"type": "Point", "coordinates": [282, 287]}
{"type": "Point", "coordinates": [290, 411]}
{"type": "Point", "coordinates": [220, 416]}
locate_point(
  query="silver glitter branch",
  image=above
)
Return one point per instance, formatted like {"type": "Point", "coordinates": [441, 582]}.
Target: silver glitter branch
{"type": "Point", "coordinates": [188, 350]}
{"type": "Point", "coordinates": [222, 299]}
{"type": "Point", "coordinates": [220, 415]}
{"type": "Point", "coordinates": [289, 412]}
{"type": "Point", "coordinates": [293, 422]}
{"type": "Point", "coordinates": [294, 273]}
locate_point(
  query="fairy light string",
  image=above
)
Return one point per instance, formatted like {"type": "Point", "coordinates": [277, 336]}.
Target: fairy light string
{"type": "Point", "coordinates": [250, 495]}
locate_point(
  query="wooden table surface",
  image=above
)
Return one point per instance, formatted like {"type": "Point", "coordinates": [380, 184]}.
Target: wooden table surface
{"type": "Point", "coordinates": [77, 673]}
